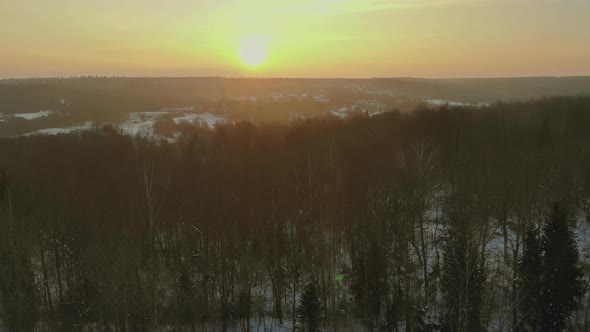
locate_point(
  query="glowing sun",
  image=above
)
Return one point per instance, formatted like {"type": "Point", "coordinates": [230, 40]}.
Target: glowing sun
{"type": "Point", "coordinates": [253, 50]}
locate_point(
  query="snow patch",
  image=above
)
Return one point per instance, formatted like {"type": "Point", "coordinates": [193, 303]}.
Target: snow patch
{"type": "Point", "coordinates": [208, 119]}
{"type": "Point", "coordinates": [141, 123]}
{"type": "Point", "coordinates": [190, 118]}
{"type": "Point", "coordinates": [582, 234]}
{"type": "Point", "coordinates": [34, 115]}
{"type": "Point", "coordinates": [321, 98]}
{"type": "Point", "coordinates": [342, 112]}
{"type": "Point", "coordinates": [60, 131]}
{"type": "Point", "coordinates": [368, 107]}
{"type": "Point", "coordinates": [442, 102]}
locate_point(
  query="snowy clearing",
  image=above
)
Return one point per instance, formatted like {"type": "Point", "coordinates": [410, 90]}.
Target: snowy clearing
{"type": "Point", "coordinates": [67, 130]}
{"type": "Point", "coordinates": [208, 119]}
{"type": "Point", "coordinates": [34, 115]}
{"type": "Point", "coordinates": [442, 102]}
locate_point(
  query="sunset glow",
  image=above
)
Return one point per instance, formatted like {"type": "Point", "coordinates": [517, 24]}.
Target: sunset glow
{"type": "Point", "coordinates": [295, 38]}
{"type": "Point", "coordinates": [253, 51]}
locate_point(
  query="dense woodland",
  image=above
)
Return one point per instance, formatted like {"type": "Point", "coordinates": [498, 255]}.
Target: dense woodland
{"type": "Point", "coordinates": [446, 219]}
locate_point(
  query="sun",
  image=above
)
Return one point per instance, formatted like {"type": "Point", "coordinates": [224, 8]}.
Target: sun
{"type": "Point", "coordinates": [253, 51]}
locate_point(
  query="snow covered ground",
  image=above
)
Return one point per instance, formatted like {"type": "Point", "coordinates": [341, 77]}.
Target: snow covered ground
{"type": "Point", "coordinates": [67, 130]}
{"type": "Point", "coordinates": [370, 107]}
{"type": "Point", "coordinates": [342, 112]}
{"type": "Point", "coordinates": [211, 120]}
{"type": "Point", "coordinates": [140, 123]}
{"type": "Point", "coordinates": [442, 102]}
{"type": "Point", "coordinates": [137, 123]}
{"type": "Point", "coordinates": [34, 115]}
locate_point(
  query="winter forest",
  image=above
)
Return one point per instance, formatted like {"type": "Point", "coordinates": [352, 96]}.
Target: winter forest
{"type": "Point", "coordinates": [447, 218]}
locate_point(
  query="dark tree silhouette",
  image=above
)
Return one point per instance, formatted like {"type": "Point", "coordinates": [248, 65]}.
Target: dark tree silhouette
{"type": "Point", "coordinates": [309, 310]}
{"type": "Point", "coordinates": [530, 274]}
{"type": "Point", "coordinates": [561, 279]}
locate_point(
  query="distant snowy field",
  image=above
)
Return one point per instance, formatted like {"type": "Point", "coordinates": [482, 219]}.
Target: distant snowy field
{"type": "Point", "coordinates": [207, 119]}
{"type": "Point", "coordinates": [137, 123]}
{"type": "Point", "coordinates": [27, 116]}
{"type": "Point", "coordinates": [140, 123]}
{"type": "Point", "coordinates": [442, 102]}
{"type": "Point", "coordinates": [362, 106]}
{"type": "Point", "coordinates": [144, 123]}
{"type": "Point", "coordinates": [35, 115]}
{"type": "Point", "coordinates": [66, 130]}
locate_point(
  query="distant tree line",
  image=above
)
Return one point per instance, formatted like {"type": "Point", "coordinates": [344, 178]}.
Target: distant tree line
{"type": "Point", "coordinates": [446, 219]}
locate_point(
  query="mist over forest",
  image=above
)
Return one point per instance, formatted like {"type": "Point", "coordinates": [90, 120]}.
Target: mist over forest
{"type": "Point", "coordinates": [213, 204]}
{"type": "Point", "coordinates": [156, 106]}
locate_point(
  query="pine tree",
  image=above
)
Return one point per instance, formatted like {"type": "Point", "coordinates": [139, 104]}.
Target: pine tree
{"type": "Point", "coordinates": [309, 311]}
{"type": "Point", "coordinates": [561, 279]}
{"type": "Point", "coordinates": [530, 271]}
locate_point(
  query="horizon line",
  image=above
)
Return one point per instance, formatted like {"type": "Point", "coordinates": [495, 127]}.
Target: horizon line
{"type": "Point", "coordinates": [286, 77]}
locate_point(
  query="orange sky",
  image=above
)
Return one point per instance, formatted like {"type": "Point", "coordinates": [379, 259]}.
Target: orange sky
{"type": "Point", "coordinates": [295, 38]}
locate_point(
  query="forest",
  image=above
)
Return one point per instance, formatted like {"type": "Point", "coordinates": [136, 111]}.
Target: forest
{"type": "Point", "coordinates": [438, 219]}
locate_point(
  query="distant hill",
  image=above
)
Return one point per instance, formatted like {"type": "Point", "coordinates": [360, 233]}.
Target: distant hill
{"type": "Point", "coordinates": [72, 102]}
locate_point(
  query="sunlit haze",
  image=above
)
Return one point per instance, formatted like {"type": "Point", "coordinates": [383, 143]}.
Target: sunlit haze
{"type": "Point", "coordinates": [295, 38]}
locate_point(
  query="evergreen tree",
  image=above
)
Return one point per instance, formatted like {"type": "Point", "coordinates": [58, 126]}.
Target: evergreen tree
{"type": "Point", "coordinates": [243, 308]}
{"type": "Point", "coordinates": [530, 271]}
{"type": "Point", "coordinates": [309, 310]}
{"type": "Point", "coordinates": [561, 279]}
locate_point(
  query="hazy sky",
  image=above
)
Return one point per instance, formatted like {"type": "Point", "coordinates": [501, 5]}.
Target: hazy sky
{"type": "Point", "coordinates": [295, 38]}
